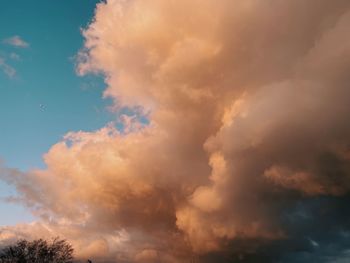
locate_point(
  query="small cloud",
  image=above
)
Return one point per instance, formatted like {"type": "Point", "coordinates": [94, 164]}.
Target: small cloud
{"type": "Point", "coordinates": [16, 41]}
{"type": "Point", "coordinates": [15, 56]}
{"type": "Point", "coordinates": [7, 69]}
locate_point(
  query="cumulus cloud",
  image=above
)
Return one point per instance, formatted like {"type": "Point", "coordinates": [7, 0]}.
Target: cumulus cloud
{"type": "Point", "coordinates": [16, 41]}
{"type": "Point", "coordinates": [247, 104]}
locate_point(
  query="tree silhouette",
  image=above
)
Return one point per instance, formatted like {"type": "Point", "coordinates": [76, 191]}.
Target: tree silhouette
{"type": "Point", "coordinates": [38, 251]}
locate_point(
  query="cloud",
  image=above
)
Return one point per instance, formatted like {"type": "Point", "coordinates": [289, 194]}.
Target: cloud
{"type": "Point", "coordinates": [15, 56]}
{"type": "Point", "coordinates": [16, 41]}
{"type": "Point", "coordinates": [6, 68]}
{"type": "Point", "coordinates": [247, 140]}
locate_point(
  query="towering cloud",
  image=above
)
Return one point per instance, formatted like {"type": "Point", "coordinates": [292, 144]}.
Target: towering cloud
{"type": "Point", "coordinates": [248, 135]}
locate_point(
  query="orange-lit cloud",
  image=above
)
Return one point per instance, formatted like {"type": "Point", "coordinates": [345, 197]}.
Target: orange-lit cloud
{"type": "Point", "coordinates": [248, 108]}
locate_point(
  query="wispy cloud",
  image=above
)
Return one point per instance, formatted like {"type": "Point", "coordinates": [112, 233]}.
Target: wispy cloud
{"type": "Point", "coordinates": [15, 56]}
{"type": "Point", "coordinates": [16, 41]}
{"type": "Point", "coordinates": [6, 68]}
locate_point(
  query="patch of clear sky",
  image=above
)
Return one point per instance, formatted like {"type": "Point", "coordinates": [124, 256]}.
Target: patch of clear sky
{"type": "Point", "coordinates": [45, 98]}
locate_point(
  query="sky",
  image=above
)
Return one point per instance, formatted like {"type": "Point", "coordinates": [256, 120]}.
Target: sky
{"type": "Point", "coordinates": [177, 131]}
{"type": "Point", "coordinates": [43, 74]}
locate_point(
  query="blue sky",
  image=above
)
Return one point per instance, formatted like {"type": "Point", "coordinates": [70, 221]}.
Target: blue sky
{"type": "Point", "coordinates": [42, 73]}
